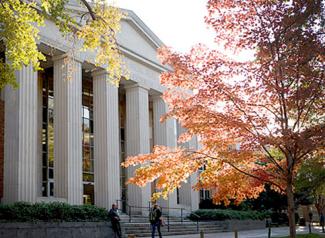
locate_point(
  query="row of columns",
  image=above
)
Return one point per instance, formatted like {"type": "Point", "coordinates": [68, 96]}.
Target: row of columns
{"type": "Point", "coordinates": [21, 179]}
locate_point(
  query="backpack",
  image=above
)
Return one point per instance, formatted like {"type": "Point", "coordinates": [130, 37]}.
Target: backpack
{"type": "Point", "coordinates": [152, 216]}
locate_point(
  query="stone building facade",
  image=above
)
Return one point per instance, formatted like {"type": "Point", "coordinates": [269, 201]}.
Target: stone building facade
{"type": "Point", "coordinates": [64, 139]}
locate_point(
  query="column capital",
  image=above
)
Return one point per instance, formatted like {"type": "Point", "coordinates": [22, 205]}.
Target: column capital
{"type": "Point", "coordinates": [157, 97]}
{"type": "Point", "coordinates": [99, 72]}
{"type": "Point", "coordinates": [66, 55]}
{"type": "Point", "coordinates": [137, 85]}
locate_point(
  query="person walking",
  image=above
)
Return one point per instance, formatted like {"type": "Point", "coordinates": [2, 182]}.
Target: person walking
{"type": "Point", "coordinates": [155, 220]}
{"type": "Point", "coordinates": [322, 221]}
{"type": "Point", "coordinates": [115, 220]}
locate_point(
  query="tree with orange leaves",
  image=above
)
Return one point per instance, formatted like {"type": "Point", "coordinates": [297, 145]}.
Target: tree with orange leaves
{"type": "Point", "coordinates": [273, 106]}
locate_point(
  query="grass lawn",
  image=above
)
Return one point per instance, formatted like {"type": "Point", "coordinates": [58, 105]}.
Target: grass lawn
{"type": "Point", "coordinates": [308, 236]}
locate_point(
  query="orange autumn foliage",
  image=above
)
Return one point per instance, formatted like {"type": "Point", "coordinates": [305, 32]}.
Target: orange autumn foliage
{"type": "Point", "coordinates": [272, 106]}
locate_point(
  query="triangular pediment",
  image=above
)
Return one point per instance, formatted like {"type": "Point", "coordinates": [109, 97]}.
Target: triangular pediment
{"type": "Point", "coordinates": [136, 37]}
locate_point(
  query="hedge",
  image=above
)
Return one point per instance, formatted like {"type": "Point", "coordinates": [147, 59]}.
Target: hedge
{"type": "Point", "coordinates": [307, 236]}
{"type": "Point", "coordinates": [228, 214]}
{"type": "Point", "coordinates": [56, 211]}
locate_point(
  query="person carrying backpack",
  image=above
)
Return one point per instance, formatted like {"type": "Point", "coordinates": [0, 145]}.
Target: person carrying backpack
{"type": "Point", "coordinates": [115, 220]}
{"type": "Point", "coordinates": [155, 220]}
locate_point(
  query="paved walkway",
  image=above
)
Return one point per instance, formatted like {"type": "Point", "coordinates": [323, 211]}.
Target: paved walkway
{"type": "Point", "coordinates": [276, 232]}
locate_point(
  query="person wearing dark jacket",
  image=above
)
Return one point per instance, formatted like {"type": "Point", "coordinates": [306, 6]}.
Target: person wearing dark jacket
{"type": "Point", "coordinates": [155, 220]}
{"type": "Point", "coordinates": [115, 220]}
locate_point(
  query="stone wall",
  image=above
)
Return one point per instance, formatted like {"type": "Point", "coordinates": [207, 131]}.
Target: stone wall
{"type": "Point", "coordinates": [242, 225]}
{"type": "Point", "coordinates": [56, 230]}
{"type": "Point", "coordinates": [2, 125]}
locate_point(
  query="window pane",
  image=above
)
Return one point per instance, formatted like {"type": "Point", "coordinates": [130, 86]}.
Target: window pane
{"type": "Point", "coordinates": [51, 189]}
{"type": "Point", "coordinates": [44, 189]}
{"type": "Point", "coordinates": [51, 102]}
{"type": "Point", "coordinates": [86, 125]}
{"type": "Point", "coordinates": [44, 160]}
{"type": "Point", "coordinates": [44, 114]}
{"type": "Point", "coordinates": [88, 177]}
{"type": "Point", "coordinates": [86, 153]}
{"type": "Point", "coordinates": [87, 165]}
{"type": "Point", "coordinates": [86, 112]}
{"type": "Point", "coordinates": [51, 174]}
{"type": "Point", "coordinates": [44, 174]}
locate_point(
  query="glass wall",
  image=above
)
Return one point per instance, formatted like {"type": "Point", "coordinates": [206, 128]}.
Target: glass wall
{"type": "Point", "coordinates": [47, 133]}
{"type": "Point", "coordinates": [123, 171]}
{"type": "Point", "coordinates": [87, 142]}
{"type": "Point", "coordinates": [48, 137]}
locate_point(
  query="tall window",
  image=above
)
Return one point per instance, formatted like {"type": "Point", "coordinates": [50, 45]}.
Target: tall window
{"type": "Point", "coordinates": [177, 196]}
{"type": "Point", "coordinates": [123, 171]}
{"type": "Point", "coordinates": [47, 134]}
{"type": "Point", "coordinates": [204, 193]}
{"type": "Point", "coordinates": [87, 142]}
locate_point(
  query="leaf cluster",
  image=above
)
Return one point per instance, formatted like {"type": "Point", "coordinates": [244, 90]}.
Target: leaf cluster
{"type": "Point", "coordinates": [256, 120]}
{"type": "Point", "coordinates": [311, 176]}
{"type": "Point", "coordinates": [96, 25]}
{"type": "Point", "coordinates": [19, 33]}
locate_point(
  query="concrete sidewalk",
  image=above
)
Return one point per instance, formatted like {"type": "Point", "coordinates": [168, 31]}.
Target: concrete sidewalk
{"type": "Point", "coordinates": [276, 232]}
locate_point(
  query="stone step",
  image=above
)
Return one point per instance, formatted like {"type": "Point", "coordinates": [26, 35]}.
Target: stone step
{"type": "Point", "coordinates": [172, 233]}
{"type": "Point", "coordinates": [145, 219]}
{"type": "Point", "coordinates": [140, 229]}
{"type": "Point", "coordinates": [131, 225]}
{"type": "Point", "coordinates": [173, 228]}
{"type": "Point", "coordinates": [190, 231]}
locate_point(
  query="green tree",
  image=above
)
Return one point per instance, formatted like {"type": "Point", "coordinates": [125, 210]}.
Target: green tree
{"type": "Point", "coordinates": [19, 28]}
{"type": "Point", "coordinates": [310, 181]}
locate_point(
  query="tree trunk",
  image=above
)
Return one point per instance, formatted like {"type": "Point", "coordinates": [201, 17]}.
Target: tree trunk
{"type": "Point", "coordinates": [291, 210]}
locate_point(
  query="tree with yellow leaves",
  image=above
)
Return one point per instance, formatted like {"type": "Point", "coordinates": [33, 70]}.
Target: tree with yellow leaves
{"type": "Point", "coordinates": [19, 28]}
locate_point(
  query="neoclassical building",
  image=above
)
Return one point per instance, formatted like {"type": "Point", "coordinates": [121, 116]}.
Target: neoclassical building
{"type": "Point", "coordinates": [64, 140]}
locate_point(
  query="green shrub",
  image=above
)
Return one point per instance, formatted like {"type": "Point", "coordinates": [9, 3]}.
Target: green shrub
{"type": "Point", "coordinates": [307, 236]}
{"type": "Point", "coordinates": [228, 214]}
{"type": "Point", "coordinates": [56, 211]}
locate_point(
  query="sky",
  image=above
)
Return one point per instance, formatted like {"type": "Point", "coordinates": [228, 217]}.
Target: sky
{"type": "Point", "coordinates": [178, 23]}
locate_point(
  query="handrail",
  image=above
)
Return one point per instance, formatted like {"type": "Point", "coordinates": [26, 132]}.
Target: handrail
{"type": "Point", "coordinates": [129, 209]}
{"type": "Point", "coordinates": [197, 220]}
{"type": "Point", "coordinates": [196, 215]}
{"type": "Point", "coordinates": [173, 208]}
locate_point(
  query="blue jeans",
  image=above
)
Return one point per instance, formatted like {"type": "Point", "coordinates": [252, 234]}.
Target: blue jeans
{"type": "Point", "coordinates": [153, 229]}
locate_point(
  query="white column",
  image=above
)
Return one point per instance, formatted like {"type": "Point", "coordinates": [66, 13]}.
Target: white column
{"type": "Point", "coordinates": [20, 149]}
{"type": "Point", "coordinates": [195, 196]}
{"type": "Point", "coordinates": [39, 135]}
{"type": "Point", "coordinates": [186, 193]}
{"type": "Point", "coordinates": [164, 134]}
{"type": "Point", "coordinates": [67, 130]}
{"type": "Point", "coordinates": [106, 139]}
{"type": "Point", "coordinates": [137, 138]}
{"type": "Point", "coordinates": [172, 142]}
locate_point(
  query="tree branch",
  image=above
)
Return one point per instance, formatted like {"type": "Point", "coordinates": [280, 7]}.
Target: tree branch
{"type": "Point", "coordinates": [90, 10]}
